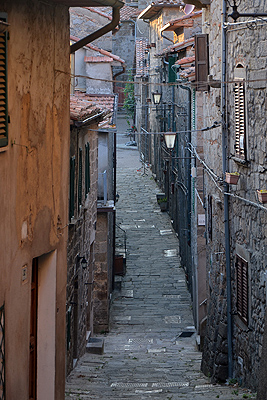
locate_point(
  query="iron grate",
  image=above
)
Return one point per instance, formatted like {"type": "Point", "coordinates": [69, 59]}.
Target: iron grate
{"type": "Point", "coordinates": [186, 334]}
{"type": "Point", "coordinates": [2, 353]}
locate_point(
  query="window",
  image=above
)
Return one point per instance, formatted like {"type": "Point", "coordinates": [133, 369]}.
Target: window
{"type": "Point", "coordinates": [80, 177]}
{"type": "Point", "coordinates": [242, 289]}
{"type": "Point", "coordinates": [3, 86]}
{"type": "Point", "coordinates": [87, 169]}
{"type": "Point", "coordinates": [72, 188]}
{"type": "Point", "coordinates": [240, 114]}
{"type": "Point", "coordinates": [202, 62]}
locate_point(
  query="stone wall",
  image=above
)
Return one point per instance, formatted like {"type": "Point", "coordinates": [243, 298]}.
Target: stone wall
{"type": "Point", "coordinates": [103, 270]}
{"type": "Point", "coordinates": [81, 243]}
{"type": "Point", "coordinates": [247, 220]}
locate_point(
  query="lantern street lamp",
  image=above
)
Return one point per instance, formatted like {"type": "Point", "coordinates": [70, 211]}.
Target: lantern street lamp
{"type": "Point", "coordinates": [156, 97]}
{"type": "Point", "coordinates": [170, 139]}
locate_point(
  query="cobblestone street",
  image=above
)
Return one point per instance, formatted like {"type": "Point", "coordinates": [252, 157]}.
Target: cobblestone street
{"type": "Point", "coordinates": [150, 351]}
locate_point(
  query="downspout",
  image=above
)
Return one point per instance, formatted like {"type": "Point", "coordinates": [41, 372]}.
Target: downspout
{"type": "Point", "coordinates": [226, 204]}
{"type": "Point", "coordinates": [188, 162]}
{"type": "Point", "coordinates": [116, 5]}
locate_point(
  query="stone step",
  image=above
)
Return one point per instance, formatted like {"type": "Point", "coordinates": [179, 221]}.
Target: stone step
{"type": "Point", "coordinates": [95, 346]}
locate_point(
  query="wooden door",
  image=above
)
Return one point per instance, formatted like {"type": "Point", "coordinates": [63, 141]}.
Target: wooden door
{"type": "Point", "coordinates": [33, 332]}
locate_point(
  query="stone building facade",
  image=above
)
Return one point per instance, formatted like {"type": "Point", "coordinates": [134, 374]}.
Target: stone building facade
{"type": "Point", "coordinates": [236, 290]}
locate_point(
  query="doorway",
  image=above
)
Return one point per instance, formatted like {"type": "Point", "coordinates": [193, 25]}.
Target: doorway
{"type": "Point", "coordinates": [43, 328]}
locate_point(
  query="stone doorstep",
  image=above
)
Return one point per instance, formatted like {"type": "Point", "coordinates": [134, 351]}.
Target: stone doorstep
{"type": "Point", "coordinates": [95, 346]}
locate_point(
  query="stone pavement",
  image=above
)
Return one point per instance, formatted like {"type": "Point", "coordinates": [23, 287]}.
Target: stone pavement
{"type": "Point", "coordinates": [150, 351]}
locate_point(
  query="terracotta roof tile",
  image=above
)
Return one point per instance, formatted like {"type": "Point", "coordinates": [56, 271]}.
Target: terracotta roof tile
{"type": "Point", "coordinates": [83, 106]}
{"type": "Point", "coordinates": [141, 66]}
{"type": "Point", "coordinates": [98, 59]}
{"type": "Point", "coordinates": [185, 60]}
{"type": "Point", "coordinates": [176, 47]}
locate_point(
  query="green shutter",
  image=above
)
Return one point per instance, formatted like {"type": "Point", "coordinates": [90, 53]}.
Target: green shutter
{"type": "Point", "coordinates": [3, 86]}
{"type": "Point", "coordinates": [87, 168]}
{"type": "Point", "coordinates": [80, 188]}
{"type": "Point", "coordinates": [72, 188]}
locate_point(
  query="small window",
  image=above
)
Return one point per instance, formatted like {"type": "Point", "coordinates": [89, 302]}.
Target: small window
{"type": "Point", "coordinates": [87, 169]}
{"type": "Point", "coordinates": [242, 289]}
{"type": "Point", "coordinates": [3, 86]}
{"type": "Point", "coordinates": [240, 113]}
{"type": "Point", "coordinates": [72, 188]}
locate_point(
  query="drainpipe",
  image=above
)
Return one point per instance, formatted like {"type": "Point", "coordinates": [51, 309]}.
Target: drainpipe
{"type": "Point", "coordinates": [188, 161]}
{"type": "Point", "coordinates": [226, 204]}
{"type": "Point", "coordinates": [116, 5]}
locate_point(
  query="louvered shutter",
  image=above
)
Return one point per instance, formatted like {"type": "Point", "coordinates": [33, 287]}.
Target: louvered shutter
{"type": "Point", "coordinates": [3, 87]}
{"type": "Point", "coordinates": [240, 122]}
{"type": "Point", "coordinates": [202, 62]}
{"type": "Point", "coordinates": [72, 188]}
{"type": "Point", "coordinates": [80, 177]}
{"type": "Point", "coordinates": [87, 168]}
{"type": "Point", "coordinates": [242, 288]}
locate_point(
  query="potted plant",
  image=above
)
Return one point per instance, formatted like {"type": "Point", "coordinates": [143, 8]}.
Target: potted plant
{"type": "Point", "coordinates": [262, 196]}
{"type": "Point", "coordinates": [232, 177]}
{"type": "Point", "coordinates": [162, 201]}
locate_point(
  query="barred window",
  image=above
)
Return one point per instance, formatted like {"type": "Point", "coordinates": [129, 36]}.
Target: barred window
{"type": "Point", "coordinates": [242, 288]}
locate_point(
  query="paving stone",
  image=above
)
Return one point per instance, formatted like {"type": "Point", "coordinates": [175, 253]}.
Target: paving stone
{"type": "Point", "coordinates": [144, 356]}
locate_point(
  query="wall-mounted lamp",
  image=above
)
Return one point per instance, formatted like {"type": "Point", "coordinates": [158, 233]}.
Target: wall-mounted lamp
{"type": "Point", "coordinates": [235, 14]}
{"type": "Point", "coordinates": [170, 139]}
{"type": "Point", "coordinates": [156, 97]}
{"type": "Point", "coordinates": [83, 260]}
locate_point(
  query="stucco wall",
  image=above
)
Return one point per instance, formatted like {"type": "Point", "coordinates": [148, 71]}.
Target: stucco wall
{"type": "Point", "coordinates": [34, 177]}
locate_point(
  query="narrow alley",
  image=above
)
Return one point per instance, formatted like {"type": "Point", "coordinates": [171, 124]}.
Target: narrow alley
{"type": "Point", "coordinates": [150, 351]}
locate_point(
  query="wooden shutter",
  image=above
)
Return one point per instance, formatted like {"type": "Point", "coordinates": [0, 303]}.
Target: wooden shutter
{"type": "Point", "coordinates": [240, 121]}
{"type": "Point", "coordinates": [80, 188]}
{"type": "Point", "coordinates": [3, 86]}
{"type": "Point", "coordinates": [202, 62]}
{"type": "Point", "coordinates": [72, 188]}
{"type": "Point", "coordinates": [242, 288]}
{"type": "Point", "coordinates": [87, 168]}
